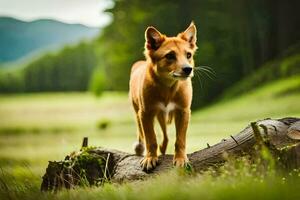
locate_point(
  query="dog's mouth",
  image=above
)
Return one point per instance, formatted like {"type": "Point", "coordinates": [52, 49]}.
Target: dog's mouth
{"type": "Point", "coordinates": [180, 76]}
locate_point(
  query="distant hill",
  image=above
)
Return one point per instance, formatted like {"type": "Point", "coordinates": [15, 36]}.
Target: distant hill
{"type": "Point", "coordinates": [19, 38]}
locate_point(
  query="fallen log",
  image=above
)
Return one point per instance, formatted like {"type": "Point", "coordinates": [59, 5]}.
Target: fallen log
{"type": "Point", "coordinates": [93, 166]}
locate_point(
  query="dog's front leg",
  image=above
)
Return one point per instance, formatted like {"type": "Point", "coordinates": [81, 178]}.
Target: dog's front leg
{"type": "Point", "coordinates": [150, 160]}
{"type": "Point", "coordinates": [182, 118]}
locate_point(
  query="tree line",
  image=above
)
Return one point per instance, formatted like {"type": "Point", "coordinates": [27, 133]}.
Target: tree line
{"type": "Point", "coordinates": [70, 69]}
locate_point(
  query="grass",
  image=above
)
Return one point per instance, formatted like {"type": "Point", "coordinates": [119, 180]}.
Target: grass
{"type": "Point", "coordinates": [238, 182]}
{"type": "Point", "coordinates": [35, 128]}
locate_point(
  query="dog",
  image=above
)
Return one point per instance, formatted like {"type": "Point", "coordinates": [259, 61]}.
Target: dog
{"type": "Point", "coordinates": [161, 87]}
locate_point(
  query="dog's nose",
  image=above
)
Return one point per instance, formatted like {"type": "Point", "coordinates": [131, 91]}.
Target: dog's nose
{"type": "Point", "coordinates": [187, 70]}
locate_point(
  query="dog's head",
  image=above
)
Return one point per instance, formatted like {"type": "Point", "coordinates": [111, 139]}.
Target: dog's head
{"type": "Point", "coordinates": [172, 57]}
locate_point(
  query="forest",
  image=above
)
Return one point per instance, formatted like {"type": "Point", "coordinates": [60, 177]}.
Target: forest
{"type": "Point", "coordinates": [235, 39]}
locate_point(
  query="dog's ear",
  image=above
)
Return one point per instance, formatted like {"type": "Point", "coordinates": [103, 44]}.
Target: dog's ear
{"type": "Point", "coordinates": [190, 35]}
{"type": "Point", "coordinates": [153, 38]}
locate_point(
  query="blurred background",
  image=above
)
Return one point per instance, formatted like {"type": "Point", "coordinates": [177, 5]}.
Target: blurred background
{"type": "Point", "coordinates": [64, 71]}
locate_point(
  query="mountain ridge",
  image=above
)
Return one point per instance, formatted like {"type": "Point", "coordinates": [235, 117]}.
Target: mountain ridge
{"type": "Point", "coordinates": [19, 38]}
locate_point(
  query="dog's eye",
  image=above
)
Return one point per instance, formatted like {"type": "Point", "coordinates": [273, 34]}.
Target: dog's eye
{"type": "Point", "coordinates": [188, 55]}
{"type": "Point", "coordinates": [170, 56]}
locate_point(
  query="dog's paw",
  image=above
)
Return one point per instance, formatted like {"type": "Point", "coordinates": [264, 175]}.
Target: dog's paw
{"type": "Point", "coordinates": [180, 161]}
{"type": "Point", "coordinates": [148, 163]}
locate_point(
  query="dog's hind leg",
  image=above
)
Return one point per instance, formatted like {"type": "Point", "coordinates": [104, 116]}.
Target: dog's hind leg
{"type": "Point", "coordinates": [162, 119]}
{"type": "Point", "coordinates": [139, 147]}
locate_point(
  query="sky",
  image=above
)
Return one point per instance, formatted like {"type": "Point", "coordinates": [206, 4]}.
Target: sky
{"type": "Point", "coordinates": [87, 12]}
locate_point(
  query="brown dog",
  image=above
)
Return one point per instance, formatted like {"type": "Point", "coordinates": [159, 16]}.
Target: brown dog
{"type": "Point", "coordinates": [161, 87]}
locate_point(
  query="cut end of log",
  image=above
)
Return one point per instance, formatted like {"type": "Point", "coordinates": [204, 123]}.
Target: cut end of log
{"type": "Point", "coordinates": [294, 131]}
{"type": "Point", "coordinates": [294, 134]}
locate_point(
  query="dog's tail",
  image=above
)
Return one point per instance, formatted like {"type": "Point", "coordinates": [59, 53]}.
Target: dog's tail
{"type": "Point", "coordinates": [139, 148]}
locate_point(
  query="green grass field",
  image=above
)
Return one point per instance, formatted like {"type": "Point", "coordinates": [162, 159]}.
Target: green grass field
{"type": "Point", "coordinates": [35, 128]}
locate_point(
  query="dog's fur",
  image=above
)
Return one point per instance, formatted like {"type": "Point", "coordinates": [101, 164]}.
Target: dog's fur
{"type": "Point", "coordinates": [161, 87]}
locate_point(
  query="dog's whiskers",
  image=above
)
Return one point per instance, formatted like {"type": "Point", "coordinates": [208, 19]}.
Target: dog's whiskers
{"type": "Point", "coordinates": [197, 73]}
{"type": "Point", "coordinates": [206, 71]}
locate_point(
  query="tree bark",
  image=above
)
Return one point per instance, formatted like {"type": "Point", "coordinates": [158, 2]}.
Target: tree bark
{"type": "Point", "coordinates": [281, 137]}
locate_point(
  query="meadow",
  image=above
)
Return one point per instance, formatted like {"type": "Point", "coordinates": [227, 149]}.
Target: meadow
{"type": "Point", "coordinates": [36, 128]}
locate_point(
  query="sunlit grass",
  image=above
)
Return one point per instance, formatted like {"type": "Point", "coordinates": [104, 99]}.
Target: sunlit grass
{"type": "Point", "coordinates": [71, 110]}
{"type": "Point", "coordinates": [279, 99]}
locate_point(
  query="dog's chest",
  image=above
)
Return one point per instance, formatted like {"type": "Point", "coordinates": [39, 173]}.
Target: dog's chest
{"type": "Point", "coordinates": [166, 108]}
